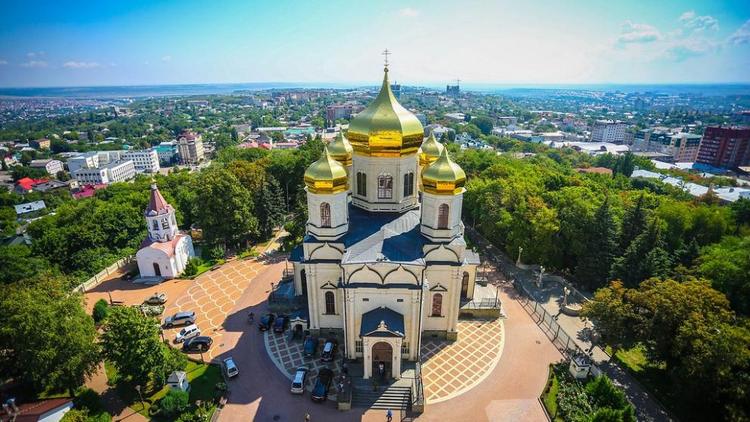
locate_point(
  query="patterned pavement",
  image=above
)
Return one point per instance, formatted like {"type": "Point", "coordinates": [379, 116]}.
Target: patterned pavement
{"type": "Point", "coordinates": [287, 356]}
{"type": "Point", "coordinates": [212, 296]}
{"type": "Point", "coordinates": [451, 368]}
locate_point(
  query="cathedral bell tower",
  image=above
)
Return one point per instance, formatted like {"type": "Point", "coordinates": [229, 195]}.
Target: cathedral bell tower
{"type": "Point", "coordinates": [442, 198]}
{"type": "Point", "coordinates": [327, 188]}
{"type": "Point", "coordinates": [160, 218]}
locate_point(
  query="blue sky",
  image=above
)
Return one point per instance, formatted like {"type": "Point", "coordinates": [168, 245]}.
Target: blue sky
{"type": "Point", "coordinates": [107, 42]}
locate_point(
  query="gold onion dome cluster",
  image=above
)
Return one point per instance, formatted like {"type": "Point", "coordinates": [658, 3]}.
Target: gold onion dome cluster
{"type": "Point", "coordinates": [430, 150]}
{"type": "Point", "coordinates": [326, 175]}
{"type": "Point", "coordinates": [385, 128]}
{"type": "Point", "coordinates": [341, 150]}
{"type": "Point", "coordinates": [443, 177]}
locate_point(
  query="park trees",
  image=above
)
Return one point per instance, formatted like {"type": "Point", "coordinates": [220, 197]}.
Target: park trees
{"type": "Point", "coordinates": [600, 239]}
{"type": "Point", "coordinates": [47, 339]}
{"type": "Point", "coordinates": [727, 265]}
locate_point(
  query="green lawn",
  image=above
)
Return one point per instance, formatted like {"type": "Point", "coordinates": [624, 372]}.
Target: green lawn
{"type": "Point", "coordinates": [549, 398]}
{"type": "Point", "coordinates": [202, 377]}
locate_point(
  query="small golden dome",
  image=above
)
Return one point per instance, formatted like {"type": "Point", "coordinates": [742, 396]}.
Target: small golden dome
{"type": "Point", "coordinates": [341, 149]}
{"type": "Point", "coordinates": [385, 128]}
{"type": "Point", "coordinates": [326, 175]}
{"type": "Point", "coordinates": [443, 177]}
{"type": "Point", "coordinates": [430, 150]}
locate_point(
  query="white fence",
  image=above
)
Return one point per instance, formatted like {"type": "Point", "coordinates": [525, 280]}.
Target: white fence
{"type": "Point", "coordinates": [95, 280]}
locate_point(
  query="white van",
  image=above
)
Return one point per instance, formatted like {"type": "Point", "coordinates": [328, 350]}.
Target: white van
{"type": "Point", "coordinates": [188, 332]}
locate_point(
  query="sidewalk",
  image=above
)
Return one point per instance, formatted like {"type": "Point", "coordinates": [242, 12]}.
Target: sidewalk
{"type": "Point", "coordinates": [550, 298]}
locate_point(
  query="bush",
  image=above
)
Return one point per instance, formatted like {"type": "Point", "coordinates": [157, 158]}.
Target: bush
{"type": "Point", "coordinates": [216, 253]}
{"type": "Point", "coordinates": [101, 310]}
{"type": "Point", "coordinates": [191, 268]}
{"type": "Point", "coordinates": [174, 403]}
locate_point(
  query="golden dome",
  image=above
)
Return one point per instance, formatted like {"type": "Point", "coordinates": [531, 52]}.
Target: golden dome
{"type": "Point", "coordinates": [430, 150]}
{"type": "Point", "coordinates": [326, 175]}
{"type": "Point", "coordinates": [341, 150]}
{"type": "Point", "coordinates": [443, 177]}
{"type": "Point", "coordinates": [385, 128]}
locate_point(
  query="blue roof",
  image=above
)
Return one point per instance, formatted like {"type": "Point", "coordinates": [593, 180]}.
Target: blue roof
{"type": "Point", "coordinates": [375, 236]}
{"type": "Point", "coordinates": [393, 321]}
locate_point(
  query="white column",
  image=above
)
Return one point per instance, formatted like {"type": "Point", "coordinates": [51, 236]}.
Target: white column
{"type": "Point", "coordinates": [366, 358]}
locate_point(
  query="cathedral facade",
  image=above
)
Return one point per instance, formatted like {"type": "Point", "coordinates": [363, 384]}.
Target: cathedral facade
{"type": "Point", "coordinates": [384, 260]}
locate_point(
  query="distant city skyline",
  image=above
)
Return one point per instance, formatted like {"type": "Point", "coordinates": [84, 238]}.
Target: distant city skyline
{"type": "Point", "coordinates": [140, 42]}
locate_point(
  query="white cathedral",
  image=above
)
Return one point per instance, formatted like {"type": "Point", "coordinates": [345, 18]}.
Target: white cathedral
{"type": "Point", "coordinates": [384, 260]}
{"type": "Point", "coordinates": [164, 252]}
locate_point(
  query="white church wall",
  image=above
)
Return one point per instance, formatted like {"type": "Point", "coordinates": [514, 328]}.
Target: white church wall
{"type": "Point", "coordinates": [338, 204]}
{"type": "Point", "coordinates": [396, 168]}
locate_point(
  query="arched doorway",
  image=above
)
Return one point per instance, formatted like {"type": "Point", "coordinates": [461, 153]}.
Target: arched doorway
{"type": "Point", "coordinates": [157, 270]}
{"type": "Point", "coordinates": [382, 353]}
{"type": "Point", "coordinates": [465, 285]}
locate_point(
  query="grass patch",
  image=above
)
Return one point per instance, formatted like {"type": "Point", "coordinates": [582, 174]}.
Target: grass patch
{"type": "Point", "coordinates": [549, 398]}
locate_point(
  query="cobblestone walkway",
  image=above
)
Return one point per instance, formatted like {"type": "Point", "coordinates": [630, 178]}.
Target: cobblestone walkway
{"type": "Point", "coordinates": [451, 368]}
{"type": "Point", "coordinates": [213, 296]}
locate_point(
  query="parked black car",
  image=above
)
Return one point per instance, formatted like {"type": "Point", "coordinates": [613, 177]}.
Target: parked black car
{"type": "Point", "coordinates": [322, 384]}
{"type": "Point", "coordinates": [310, 347]}
{"type": "Point", "coordinates": [197, 344]}
{"type": "Point", "coordinates": [329, 351]}
{"type": "Point", "coordinates": [280, 324]}
{"type": "Point", "coordinates": [266, 321]}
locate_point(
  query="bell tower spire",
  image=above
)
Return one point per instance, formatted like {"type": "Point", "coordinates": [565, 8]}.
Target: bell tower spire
{"type": "Point", "coordinates": [160, 218]}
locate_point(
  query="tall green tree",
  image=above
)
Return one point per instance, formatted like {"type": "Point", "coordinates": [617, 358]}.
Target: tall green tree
{"type": "Point", "coordinates": [614, 315]}
{"type": "Point", "coordinates": [131, 342]}
{"type": "Point", "coordinates": [269, 206]}
{"type": "Point", "coordinates": [601, 240]}
{"type": "Point", "coordinates": [741, 213]}
{"type": "Point", "coordinates": [633, 223]}
{"type": "Point", "coordinates": [644, 258]}
{"type": "Point", "coordinates": [224, 208]}
{"type": "Point", "coordinates": [47, 339]}
{"type": "Point", "coordinates": [727, 265]}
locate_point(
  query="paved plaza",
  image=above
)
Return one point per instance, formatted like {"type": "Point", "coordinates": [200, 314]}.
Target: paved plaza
{"type": "Point", "coordinates": [287, 356]}
{"type": "Point", "coordinates": [451, 368]}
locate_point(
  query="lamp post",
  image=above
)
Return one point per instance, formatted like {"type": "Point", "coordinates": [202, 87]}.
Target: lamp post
{"type": "Point", "coordinates": [272, 291]}
{"type": "Point", "coordinates": [140, 397]}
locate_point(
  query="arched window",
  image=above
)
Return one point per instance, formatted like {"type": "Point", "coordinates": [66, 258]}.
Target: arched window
{"type": "Point", "coordinates": [385, 187]}
{"type": "Point", "coordinates": [330, 303]}
{"type": "Point", "coordinates": [165, 223]}
{"type": "Point", "coordinates": [155, 225]}
{"type": "Point", "coordinates": [325, 214]}
{"type": "Point", "coordinates": [362, 184]}
{"type": "Point", "coordinates": [443, 212]}
{"type": "Point", "coordinates": [437, 304]}
{"type": "Point", "coordinates": [408, 184]}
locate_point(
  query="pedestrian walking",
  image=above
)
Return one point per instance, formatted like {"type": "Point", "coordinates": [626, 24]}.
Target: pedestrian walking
{"type": "Point", "coordinates": [307, 417]}
{"type": "Point", "coordinates": [389, 415]}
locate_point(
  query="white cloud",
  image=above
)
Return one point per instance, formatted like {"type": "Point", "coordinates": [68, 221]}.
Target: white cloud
{"type": "Point", "coordinates": [32, 54]}
{"type": "Point", "coordinates": [408, 12]}
{"type": "Point", "coordinates": [690, 47]}
{"type": "Point", "coordinates": [741, 35]}
{"type": "Point", "coordinates": [166, 58]}
{"type": "Point", "coordinates": [34, 64]}
{"type": "Point", "coordinates": [638, 33]}
{"type": "Point", "coordinates": [699, 23]}
{"type": "Point", "coordinates": [3, 62]}
{"type": "Point", "coordinates": [81, 65]}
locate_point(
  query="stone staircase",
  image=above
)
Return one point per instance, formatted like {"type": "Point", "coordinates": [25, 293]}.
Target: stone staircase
{"type": "Point", "coordinates": [396, 396]}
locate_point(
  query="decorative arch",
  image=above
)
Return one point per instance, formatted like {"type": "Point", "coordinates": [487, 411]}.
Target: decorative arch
{"type": "Point", "coordinates": [408, 184]}
{"type": "Point", "coordinates": [437, 304]}
{"type": "Point", "coordinates": [330, 299]}
{"type": "Point", "coordinates": [366, 269]}
{"type": "Point", "coordinates": [399, 271]}
{"type": "Point", "coordinates": [441, 253]}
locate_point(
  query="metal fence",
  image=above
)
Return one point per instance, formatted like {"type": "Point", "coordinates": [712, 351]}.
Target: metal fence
{"type": "Point", "coordinates": [484, 303]}
{"type": "Point", "coordinates": [559, 337]}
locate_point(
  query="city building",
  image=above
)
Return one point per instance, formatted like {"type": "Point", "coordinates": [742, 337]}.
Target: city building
{"type": "Point", "coordinates": [165, 251]}
{"type": "Point", "coordinates": [684, 147]}
{"type": "Point", "coordinates": [338, 111]}
{"type": "Point", "coordinates": [167, 152]}
{"type": "Point", "coordinates": [190, 148]}
{"type": "Point", "coordinates": [103, 175]}
{"type": "Point", "coordinates": [144, 160]}
{"type": "Point", "coordinates": [85, 161]}
{"type": "Point", "coordinates": [608, 131]}
{"type": "Point", "coordinates": [26, 185]}
{"type": "Point", "coordinates": [392, 265]}
{"type": "Point", "coordinates": [52, 167]}
{"type": "Point", "coordinates": [725, 147]}
{"type": "Point", "coordinates": [43, 143]}
{"type": "Point", "coordinates": [396, 90]}
{"type": "Point", "coordinates": [453, 90]}
{"type": "Point", "coordinates": [28, 208]}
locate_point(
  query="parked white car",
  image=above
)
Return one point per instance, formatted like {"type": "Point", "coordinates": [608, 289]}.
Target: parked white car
{"type": "Point", "coordinates": [188, 332]}
{"type": "Point", "coordinates": [230, 368]}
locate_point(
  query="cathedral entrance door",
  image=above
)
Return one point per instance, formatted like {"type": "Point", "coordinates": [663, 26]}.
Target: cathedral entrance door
{"type": "Point", "coordinates": [382, 358]}
{"type": "Point", "coordinates": [157, 270]}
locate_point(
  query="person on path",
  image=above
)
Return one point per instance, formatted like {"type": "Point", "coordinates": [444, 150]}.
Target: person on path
{"type": "Point", "coordinates": [307, 417]}
{"type": "Point", "coordinates": [389, 415]}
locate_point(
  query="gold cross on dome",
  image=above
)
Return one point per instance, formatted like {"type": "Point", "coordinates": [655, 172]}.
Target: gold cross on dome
{"type": "Point", "coordinates": [386, 53]}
